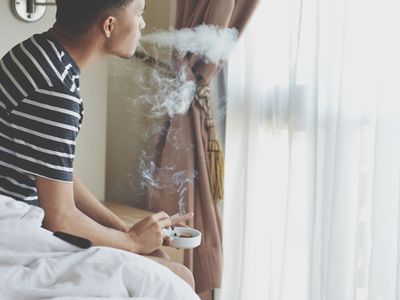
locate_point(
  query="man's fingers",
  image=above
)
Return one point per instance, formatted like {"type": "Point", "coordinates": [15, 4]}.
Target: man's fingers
{"type": "Point", "coordinates": [165, 222]}
{"type": "Point", "coordinates": [160, 215]}
{"type": "Point", "coordinates": [181, 225]}
{"type": "Point", "coordinates": [181, 219]}
{"type": "Point", "coordinates": [162, 219]}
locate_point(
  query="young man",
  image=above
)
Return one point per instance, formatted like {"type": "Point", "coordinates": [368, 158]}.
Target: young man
{"type": "Point", "coordinates": [41, 113]}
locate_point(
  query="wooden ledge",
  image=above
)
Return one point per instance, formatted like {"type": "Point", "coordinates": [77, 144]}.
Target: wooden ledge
{"type": "Point", "coordinates": [130, 215]}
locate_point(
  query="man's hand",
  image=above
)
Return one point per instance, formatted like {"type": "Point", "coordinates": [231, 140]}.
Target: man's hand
{"type": "Point", "coordinates": [148, 234]}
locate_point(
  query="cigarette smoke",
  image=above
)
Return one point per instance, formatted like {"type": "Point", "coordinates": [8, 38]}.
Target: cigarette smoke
{"type": "Point", "coordinates": [170, 96]}
{"type": "Point", "coordinates": [162, 95]}
{"type": "Point", "coordinates": [211, 42]}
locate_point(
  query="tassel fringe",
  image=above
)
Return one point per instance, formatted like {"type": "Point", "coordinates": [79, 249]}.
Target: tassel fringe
{"type": "Point", "coordinates": [216, 161]}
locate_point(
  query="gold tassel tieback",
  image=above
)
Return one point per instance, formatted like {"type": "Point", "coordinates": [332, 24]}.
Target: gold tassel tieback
{"type": "Point", "coordinates": [216, 160]}
{"type": "Point", "coordinates": [214, 149]}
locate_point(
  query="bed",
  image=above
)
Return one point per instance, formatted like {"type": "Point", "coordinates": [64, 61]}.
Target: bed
{"type": "Point", "coordinates": [34, 264]}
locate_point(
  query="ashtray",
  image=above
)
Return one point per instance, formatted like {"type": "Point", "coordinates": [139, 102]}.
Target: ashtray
{"type": "Point", "coordinates": [183, 237]}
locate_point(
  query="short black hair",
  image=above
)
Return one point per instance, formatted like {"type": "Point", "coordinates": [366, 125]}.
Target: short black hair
{"type": "Point", "coordinates": [77, 16]}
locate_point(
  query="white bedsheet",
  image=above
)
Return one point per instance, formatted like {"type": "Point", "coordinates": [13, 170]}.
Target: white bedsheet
{"type": "Point", "coordinates": [36, 265]}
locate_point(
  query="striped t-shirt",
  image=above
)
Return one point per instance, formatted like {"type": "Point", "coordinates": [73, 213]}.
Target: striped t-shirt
{"type": "Point", "coordinates": [40, 116]}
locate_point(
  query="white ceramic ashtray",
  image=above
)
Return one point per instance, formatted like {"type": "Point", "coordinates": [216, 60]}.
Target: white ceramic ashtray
{"type": "Point", "coordinates": [184, 237]}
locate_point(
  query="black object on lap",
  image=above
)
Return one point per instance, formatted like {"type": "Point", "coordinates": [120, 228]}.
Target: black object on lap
{"type": "Point", "coordinates": [73, 239]}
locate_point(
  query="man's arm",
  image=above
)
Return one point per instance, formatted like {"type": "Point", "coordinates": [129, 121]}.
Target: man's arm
{"type": "Point", "coordinates": [61, 214]}
{"type": "Point", "coordinates": [86, 202]}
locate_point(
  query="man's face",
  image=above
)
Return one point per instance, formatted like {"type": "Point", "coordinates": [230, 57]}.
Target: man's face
{"type": "Point", "coordinates": [127, 31]}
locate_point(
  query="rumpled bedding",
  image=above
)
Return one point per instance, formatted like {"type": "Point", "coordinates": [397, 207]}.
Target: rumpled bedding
{"type": "Point", "coordinates": [36, 265]}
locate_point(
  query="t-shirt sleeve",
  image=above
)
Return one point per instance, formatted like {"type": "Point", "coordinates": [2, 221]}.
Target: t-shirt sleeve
{"type": "Point", "coordinates": [45, 126]}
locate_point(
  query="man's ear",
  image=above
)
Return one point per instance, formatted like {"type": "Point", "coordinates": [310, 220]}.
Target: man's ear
{"type": "Point", "coordinates": [108, 26]}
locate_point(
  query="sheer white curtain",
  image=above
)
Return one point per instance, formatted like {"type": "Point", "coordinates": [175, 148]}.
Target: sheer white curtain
{"type": "Point", "coordinates": [313, 153]}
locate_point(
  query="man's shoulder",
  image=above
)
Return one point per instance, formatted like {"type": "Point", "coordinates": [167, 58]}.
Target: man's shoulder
{"type": "Point", "coordinates": [30, 41]}
{"type": "Point", "coordinates": [33, 57]}
{"type": "Point", "coordinates": [39, 63]}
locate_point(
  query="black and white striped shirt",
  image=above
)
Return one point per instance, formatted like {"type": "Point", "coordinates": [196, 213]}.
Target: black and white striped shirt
{"type": "Point", "coordinates": [40, 116]}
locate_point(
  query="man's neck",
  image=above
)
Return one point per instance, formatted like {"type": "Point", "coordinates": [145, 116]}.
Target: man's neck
{"type": "Point", "coordinates": [84, 49]}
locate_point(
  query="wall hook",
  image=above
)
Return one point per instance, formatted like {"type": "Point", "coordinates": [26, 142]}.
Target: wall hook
{"type": "Point", "coordinates": [30, 10]}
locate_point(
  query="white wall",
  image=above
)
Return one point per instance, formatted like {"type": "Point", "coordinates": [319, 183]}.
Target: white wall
{"type": "Point", "coordinates": [90, 162]}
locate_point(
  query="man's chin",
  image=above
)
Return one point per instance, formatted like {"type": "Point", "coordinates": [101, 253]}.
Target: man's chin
{"type": "Point", "coordinates": [128, 55]}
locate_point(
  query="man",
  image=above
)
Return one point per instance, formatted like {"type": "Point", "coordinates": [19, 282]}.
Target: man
{"type": "Point", "coordinates": [41, 113]}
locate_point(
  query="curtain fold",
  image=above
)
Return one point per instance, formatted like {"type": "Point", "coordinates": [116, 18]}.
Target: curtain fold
{"type": "Point", "coordinates": [183, 148]}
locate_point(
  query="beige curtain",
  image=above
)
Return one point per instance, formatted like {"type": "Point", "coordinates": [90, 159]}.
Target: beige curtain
{"type": "Point", "coordinates": [183, 148]}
